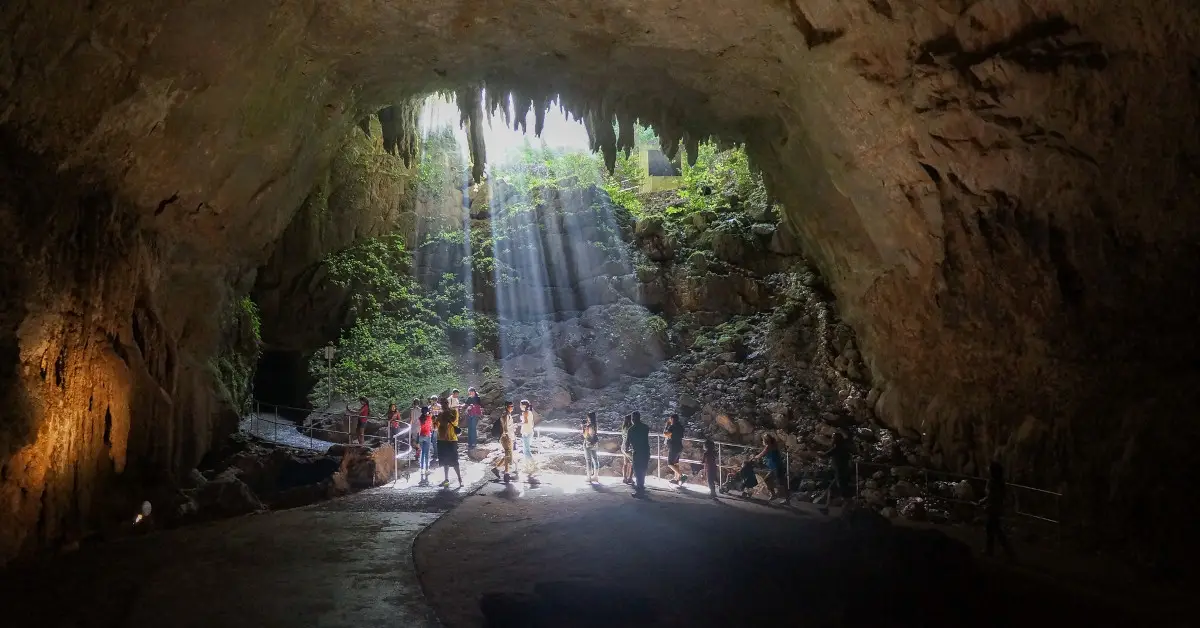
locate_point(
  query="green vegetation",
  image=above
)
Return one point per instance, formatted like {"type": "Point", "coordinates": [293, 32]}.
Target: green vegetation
{"type": "Point", "coordinates": [717, 177]}
{"type": "Point", "coordinates": [232, 369]}
{"type": "Point", "coordinates": [441, 166]}
{"type": "Point", "coordinates": [398, 347]}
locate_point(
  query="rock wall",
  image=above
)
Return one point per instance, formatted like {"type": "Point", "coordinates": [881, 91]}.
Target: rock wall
{"type": "Point", "coordinates": [1001, 193]}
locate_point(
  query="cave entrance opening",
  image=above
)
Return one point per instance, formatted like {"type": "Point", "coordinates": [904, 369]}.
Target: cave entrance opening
{"type": "Point", "coordinates": [520, 262]}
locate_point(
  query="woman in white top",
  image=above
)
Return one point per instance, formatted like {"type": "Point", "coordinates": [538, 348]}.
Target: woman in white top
{"type": "Point", "coordinates": [527, 420]}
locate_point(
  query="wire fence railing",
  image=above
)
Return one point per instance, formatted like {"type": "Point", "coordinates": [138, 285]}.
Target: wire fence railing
{"type": "Point", "coordinates": [1027, 502]}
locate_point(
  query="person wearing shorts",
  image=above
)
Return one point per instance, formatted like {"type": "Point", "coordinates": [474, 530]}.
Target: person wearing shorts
{"type": "Point", "coordinates": [674, 436]}
{"type": "Point", "coordinates": [447, 445]}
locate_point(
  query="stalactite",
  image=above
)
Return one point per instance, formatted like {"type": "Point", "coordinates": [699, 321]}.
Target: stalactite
{"type": "Point", "coordinates": [540, 105]}
{"type": "Point", "coordinates": [626, 133]}
{"type": "Point", "coordinates": [691, 144]}
{"type": "Point", "coordinates": [401, 127]}
{"type": "Point", "coordinates": [470, 107]}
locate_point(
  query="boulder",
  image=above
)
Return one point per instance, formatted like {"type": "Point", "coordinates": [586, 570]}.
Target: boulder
{"type": "Point", "coordinates": [744, 427]}
{"type": "Point", "coordinates": [648, 226]}
{"type": "Point", "coordinates": [226, 496]}
{"type": "Point", "coordinates": [729, 247]}
{"type": "Point", "coordinates": [904, 488]}
{"type": "Point", "coordinates": [725, 423]}
{"type": "Point", "coordinates": [358, 467]}
{"type": "Point", "coordinates": [763, 230]}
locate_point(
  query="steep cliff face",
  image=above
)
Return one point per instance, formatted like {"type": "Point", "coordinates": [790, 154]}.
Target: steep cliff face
{"type": "Point", "coordinates": [1001, 193]}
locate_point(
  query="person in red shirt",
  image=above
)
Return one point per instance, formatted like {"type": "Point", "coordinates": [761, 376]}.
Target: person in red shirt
{"type": "Point", "coordinates": [364, 413]}
{"type": "Point", "coordinates": [425, 442]}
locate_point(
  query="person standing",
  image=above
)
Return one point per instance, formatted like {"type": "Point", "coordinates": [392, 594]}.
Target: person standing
{"type": "Point", "coordinates": [993, 503]}
{"type": "Point", "coordinates": [435, 410]}
{"type": "Point", "coordinates": [674, 435]}
{"type": "Point", "coordinates": [474, 412]}
{"type": "Point", "coordinates": [394, 419]}
{"type": "Point", "coordinates": [590, 440]}
{"type": "Point", "coordinates": [839, 455]}
{"type": "Point", "coordinates": [506, 444]}
{"type": "Point", "coordinates": [772, 457]}
{"type": "Point", "coordinates": [364, 413]}
{"type": "Point", "coordinates": [626, 452]}
{"type": "Point", "coordinates": [424, 427]}
{"type": "Point", "coordinates": [527, 425]}
{"type": "Point", "coordinates": [639, 443]}
{"type": "Point", "coordinates": [453, 402]}
{"type": "Point", "coordinates": [447, 444]}
{"type": "Point", "coordinates": [711, 471]}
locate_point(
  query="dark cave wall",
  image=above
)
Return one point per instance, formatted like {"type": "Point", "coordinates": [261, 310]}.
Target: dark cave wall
{"type": "Point", "coordinates": [100, 399]}
{"type": "Point", "coordinates": [1001, 194]}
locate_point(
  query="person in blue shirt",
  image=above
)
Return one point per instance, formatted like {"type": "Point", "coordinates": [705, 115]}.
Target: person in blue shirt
{"type": "Point", "coordinates": [772, 457]}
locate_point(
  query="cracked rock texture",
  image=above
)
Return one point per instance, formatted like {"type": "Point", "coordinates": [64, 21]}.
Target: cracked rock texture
{"type": "Point", "coordinates": [1001, 194]}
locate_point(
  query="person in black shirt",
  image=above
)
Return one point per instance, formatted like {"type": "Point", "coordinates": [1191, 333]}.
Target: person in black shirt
{"type": "Point", "coordinates": [993, 503]}
{"type": "Point", "coordinates": [674, 435]}
{"type": "Point", "coordinates": [639, 442]}
{"type": "Point", "coordinates": [839, 455]}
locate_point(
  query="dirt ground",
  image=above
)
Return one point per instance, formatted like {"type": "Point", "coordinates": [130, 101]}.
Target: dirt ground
{"type": "Point", "coordinates": [567, 554]}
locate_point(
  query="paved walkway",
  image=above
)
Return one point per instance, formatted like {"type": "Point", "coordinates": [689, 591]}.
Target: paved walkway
{"type": "Point", "coordinates": [342, 563]}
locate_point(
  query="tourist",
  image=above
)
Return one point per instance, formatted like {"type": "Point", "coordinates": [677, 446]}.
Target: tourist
{"type": "Point", "coordinates": [474, 413]}
{"type": "Point", "coordinates": [447, 445]}
{"type": "Point", "coordinates": [711, 470]}
{"type": "Point", "coordinates": [626, 452]}
{"type": "Point", "coordinates": [993, 502]}
{"type": "Point", "coordinates": [364, 413]}
{"type": "Point", "coordinates": [639, 442]}
{"type": "Point", "coordinates": [772, 457]}
{"type": "Point", "coordinates": [527, 421]}
{"type": "Point", "coordinates": [394, 419]}
{"type": "Point", "coordinates": [674, 435]}
{"type": "Point", "coordinates": [435, 410]}
{"type": "Point", "coordinates": [453, 402]}
{"type": "Point", "coordinates": [590, 440]}
{"type": "Point", "coordinates": [506, 444]}
{"type": "Point", "coordinates": [839, 455]}
{"type": "Point", "coordinates": [425, 433]}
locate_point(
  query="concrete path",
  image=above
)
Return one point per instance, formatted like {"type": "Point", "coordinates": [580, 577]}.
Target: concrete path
{"type": "Point", "coordinates": [343, 563]}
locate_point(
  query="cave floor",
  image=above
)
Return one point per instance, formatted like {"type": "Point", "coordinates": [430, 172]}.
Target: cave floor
{"type": "Point", "coordinates": [345, 562]}
{"type": "Point", "coordinates": [569, 554]}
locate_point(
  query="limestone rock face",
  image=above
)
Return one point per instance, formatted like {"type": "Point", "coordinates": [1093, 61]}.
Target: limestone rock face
{"type": "Point", "coordinates": [1000, 193]}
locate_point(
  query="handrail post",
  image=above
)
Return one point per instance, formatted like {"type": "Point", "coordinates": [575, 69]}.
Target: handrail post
{"type": "Point", "coordinates": [658, 467]}
{"type": "Point", "coordinates": [720, 467]}
{"type": "Point", "coordinates": [856, 479]}
{"type": "Point", "coordinates": [787, 472]}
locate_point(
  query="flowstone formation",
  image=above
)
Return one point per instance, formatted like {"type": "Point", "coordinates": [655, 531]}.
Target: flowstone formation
{"type": "Point", "coordinates": [1000, 194]}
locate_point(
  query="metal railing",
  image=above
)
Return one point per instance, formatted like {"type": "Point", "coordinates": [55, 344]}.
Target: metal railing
{"type": "Point", "coordinates": [398, 437]}
{"type": "Point", "coordinates": [930, 477]}
{"type": "Point", "coordinates": [926, 487]}
{"type": "Point", "coordinates": [658, 447]}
